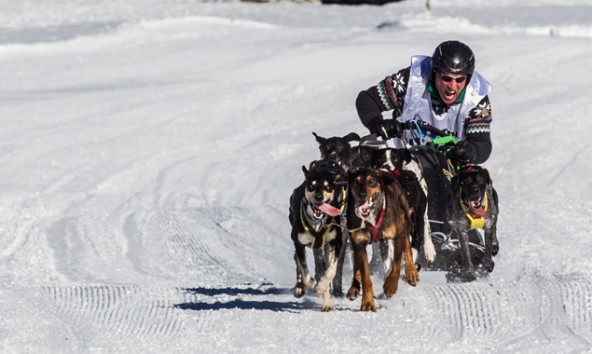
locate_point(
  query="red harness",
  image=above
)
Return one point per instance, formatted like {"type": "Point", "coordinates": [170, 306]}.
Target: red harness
{"type": "Point", "coordinates": [375, 230]}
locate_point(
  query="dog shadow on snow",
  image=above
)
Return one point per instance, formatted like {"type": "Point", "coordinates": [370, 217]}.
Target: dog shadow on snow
{"type": "Point", "coordinates": [237, 302]}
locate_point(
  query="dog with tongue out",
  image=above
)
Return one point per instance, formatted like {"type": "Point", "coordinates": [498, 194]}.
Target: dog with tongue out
{"type": "Point", "coordinates": [315, 210]}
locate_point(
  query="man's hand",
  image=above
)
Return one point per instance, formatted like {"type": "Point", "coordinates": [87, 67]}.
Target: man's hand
{"type": "Point", "coordinates": [463, 151]}
{"type": "Point", "coordinates": [386, 129]}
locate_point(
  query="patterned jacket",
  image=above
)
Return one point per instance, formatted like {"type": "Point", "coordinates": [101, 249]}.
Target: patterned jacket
{"type": "Point", "coordinates": [390, 94]}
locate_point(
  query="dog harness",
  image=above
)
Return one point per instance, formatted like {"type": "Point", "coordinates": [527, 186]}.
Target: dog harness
{"type": "Point", "coordinates": [320, 233]}
{"type": "Point", "coordinates": [477, 219]}
{"type": "Point", "coordinates": [375, 230]}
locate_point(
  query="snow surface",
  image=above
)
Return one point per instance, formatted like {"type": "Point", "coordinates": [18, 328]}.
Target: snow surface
{"type": "Point", "coordinates": [149, 149]}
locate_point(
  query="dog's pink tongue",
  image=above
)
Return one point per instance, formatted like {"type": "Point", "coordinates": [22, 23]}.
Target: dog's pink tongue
{"type": "Point", "coordinates": [479, 212]}
{"type": "Point", "coordinates": [329, 209]}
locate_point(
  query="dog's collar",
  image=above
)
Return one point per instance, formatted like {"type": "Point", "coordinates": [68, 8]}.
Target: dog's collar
{"type": "Point", "coordinates": [477, 221]}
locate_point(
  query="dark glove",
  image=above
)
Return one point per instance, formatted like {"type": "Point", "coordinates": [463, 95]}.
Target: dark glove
{"type": "Point", "coordinates": [463, 151]}
{"type": "Point", "coordinates": [386, 129]}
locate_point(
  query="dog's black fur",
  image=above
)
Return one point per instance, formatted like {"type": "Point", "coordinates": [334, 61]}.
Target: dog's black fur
{"type": "Point", "coordinates": [472, 188]}
{"type": "Point", "coordinates": [337, 149]}
{"type": "Point", "coordinates": [311, 227]}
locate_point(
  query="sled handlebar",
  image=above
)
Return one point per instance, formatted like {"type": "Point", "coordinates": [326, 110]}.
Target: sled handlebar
{"type": "Point", "coordinates": [423, 126]}
{"type": "Point", "coordinates": [442, 137]}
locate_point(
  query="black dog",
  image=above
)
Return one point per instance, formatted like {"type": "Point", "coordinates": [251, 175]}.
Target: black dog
{"type": "Point", "coordinates": [475, 206]}
{"type": "Point", "coordinates": [337, 149]}
{"type": "Point", "coordinates": [313, 208]}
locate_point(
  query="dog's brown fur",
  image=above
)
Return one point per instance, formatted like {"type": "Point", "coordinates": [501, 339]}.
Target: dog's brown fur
{"type": "Point", "coordinates": [373, 185]}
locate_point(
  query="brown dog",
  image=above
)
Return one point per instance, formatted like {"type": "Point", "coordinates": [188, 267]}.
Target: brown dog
{"type": "Point", "coordinates": [378, 210]}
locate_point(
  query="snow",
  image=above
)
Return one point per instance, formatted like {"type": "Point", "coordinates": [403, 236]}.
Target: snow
{"type": "Point", "coordinates": [149, 149]}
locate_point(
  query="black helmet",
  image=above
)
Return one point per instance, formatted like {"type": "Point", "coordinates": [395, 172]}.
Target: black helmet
{"type": "Point", "coordinates": [454, 57]}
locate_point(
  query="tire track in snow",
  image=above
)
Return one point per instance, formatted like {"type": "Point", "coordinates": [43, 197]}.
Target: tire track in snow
{"type": "Point", "coordinates": [513, 316]}
{"type": "Point", "coordinates": [571, 302]}
{"type": "Point", "coordinates": [469, 310]}
{"type": "Point", "coordinates": [577, 302]}
{"type": "Point", "coordinates": [120, 312]}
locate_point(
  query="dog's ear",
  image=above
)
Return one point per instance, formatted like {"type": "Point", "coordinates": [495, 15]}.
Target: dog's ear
{"type": "Point", "coordinates": [387, 177]}
{"type": "Point", "coordinates": [340, 178]}
{"type": "Point", "coordinates": [351, 137]}
{"type": "Point", "coordinates": [306, 172]}
{"type": "Point", "coordinates": [319, 139]}
{"type": "Point", "coordinates": [352, 173]}
{"type": "Point", "coordinates": [378, 158]}
{"type": "Point", "coordinates": [485, 173]}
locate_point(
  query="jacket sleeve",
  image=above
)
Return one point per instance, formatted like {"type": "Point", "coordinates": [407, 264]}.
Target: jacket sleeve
{"type": "Point", "coordinates": [477, 130]}
{"type": "Point", "coordinates": [388, 95]}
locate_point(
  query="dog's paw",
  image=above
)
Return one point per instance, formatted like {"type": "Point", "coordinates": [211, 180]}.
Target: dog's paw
{"type": "Point", "coordinates": [494, 249]}
{"type": "Point", "coordinates": [488, 265]}
{"type": "Point", "coordinates": [322, 287]}
{"type": "Point", "coordinates": [353, 293]}
{"type": "Point", "coordinates": [411, 275]}
{"type": "Point", "coordinates": [299, 290]}
{"type": "Point", "coordinates": [494, 246]}
{"type": "Point", "coordinates": [368, 306]}
{"type": "Point", "coordinates": [429, 250]}
{"type": "Point", "coordinates": [308, 282]}
{"type": "Point", "coordinates": [328, 308]}
{"type": "Point", "coordinates": [390, 288]}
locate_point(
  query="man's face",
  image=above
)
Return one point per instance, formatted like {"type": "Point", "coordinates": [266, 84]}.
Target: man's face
{"type": "Point", "coordinates": [449, 86]}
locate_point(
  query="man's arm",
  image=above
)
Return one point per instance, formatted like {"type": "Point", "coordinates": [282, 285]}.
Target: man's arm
{"type": "Point", "coordinates": [477, 130]}
{"type": "Point", "coordinates": [388, 95]}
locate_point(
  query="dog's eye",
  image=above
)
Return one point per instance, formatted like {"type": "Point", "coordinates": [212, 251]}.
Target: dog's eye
{"type": "Point", "coordinates": [371, 181]}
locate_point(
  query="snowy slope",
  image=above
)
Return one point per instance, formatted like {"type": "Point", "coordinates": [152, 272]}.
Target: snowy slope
{"type": "Point", "coordinates": [149, 149]}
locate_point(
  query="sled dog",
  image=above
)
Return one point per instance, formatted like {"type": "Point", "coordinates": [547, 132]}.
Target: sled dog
{"type": "Point", "coordinates": [314, 216]}
{"type": "Point", "coordinates": [475, 206]}
{"type": "Point", "coordinates": [403, 162]}
{"type": "Point", "coordinates": [378, 210]}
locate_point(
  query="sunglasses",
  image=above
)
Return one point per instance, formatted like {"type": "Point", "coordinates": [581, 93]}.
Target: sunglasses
{"type": "Point", "coordinates": [448, 78]}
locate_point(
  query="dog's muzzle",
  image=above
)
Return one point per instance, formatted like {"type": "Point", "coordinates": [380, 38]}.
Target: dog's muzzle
{"type": "Point", "coordinates": [317, 213]}
{"type": "Point", "coordinates": [365, 208]}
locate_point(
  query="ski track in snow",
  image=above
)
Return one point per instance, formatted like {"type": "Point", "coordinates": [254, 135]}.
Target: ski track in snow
{"type": "Point", "coordinates": [549, 312]}
{"type": "Point", "coordinates": [149, 155]}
